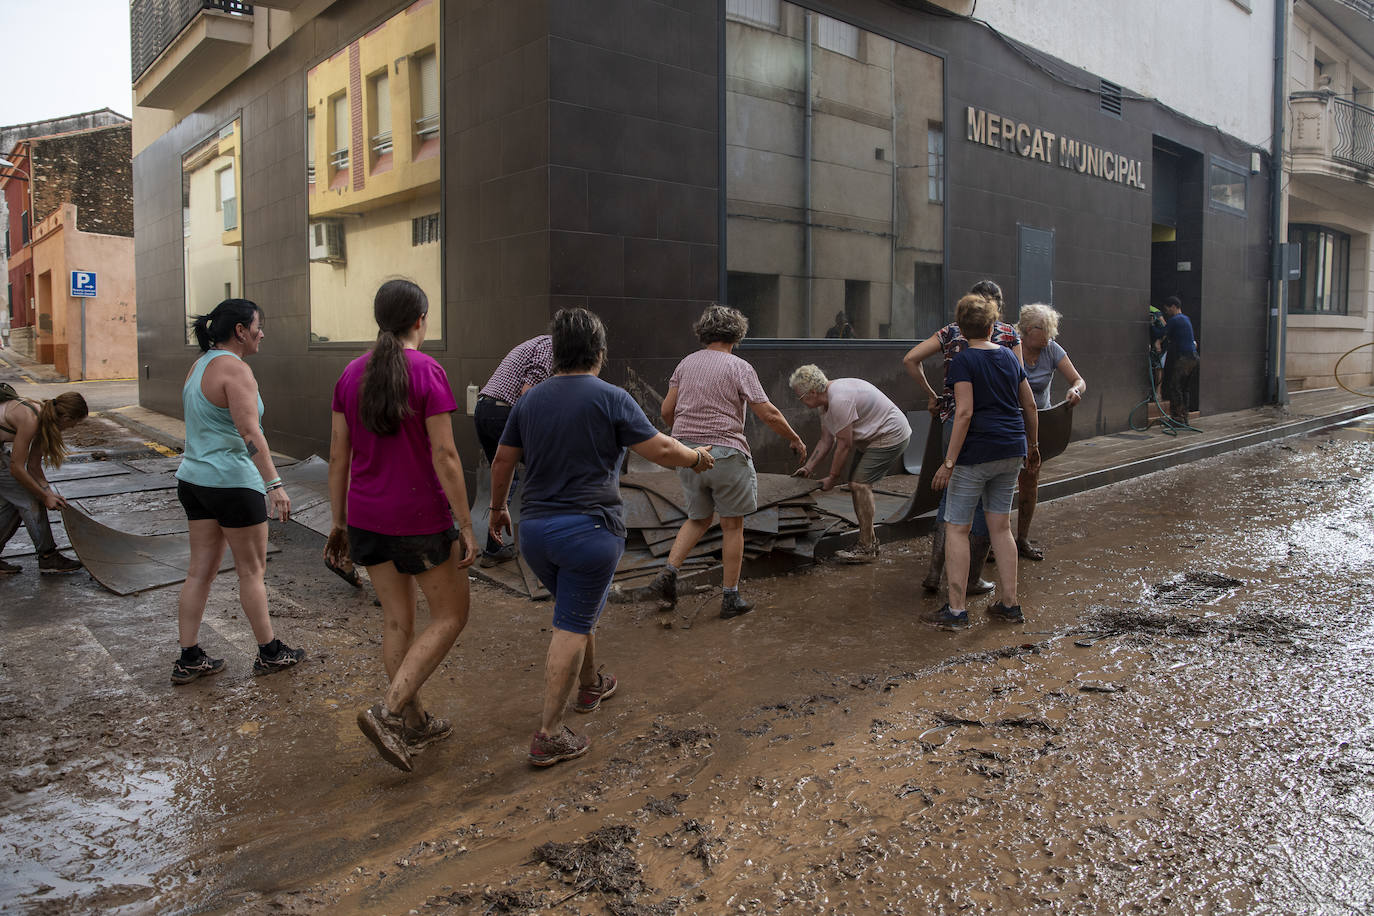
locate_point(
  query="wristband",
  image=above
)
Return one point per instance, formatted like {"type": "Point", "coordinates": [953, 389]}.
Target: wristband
{"type": "Point", "coordinates": [497, 508]}
{"type": "Point", "coordinates": [274, 486]}
{"type": "Point", "coordinates": [698, 461]}
{"type": "Point", "coordinates": [274, 480]}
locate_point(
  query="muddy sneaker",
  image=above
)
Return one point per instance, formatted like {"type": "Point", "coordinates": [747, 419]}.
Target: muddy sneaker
{"type": "Point", "coordinates": [387, 734]}
{"type": "Point", "coordinates": [434, 729]}
{"type": "Point", "coordinates": [187, 670]}
{"type": "Point", "coordinates": [496, 557]}
{"type": "Point", "coordinates": [947, 619]}
{"type": "Point", "coordinates": [664, 588]}
{"type": "Point", "coordinates": [589, 698]}
{"type": "Point", "coordinates": [858, 554]}
{"type": "Point", "coordinates": [55, 564]}
{"type": "Point", "coordinates": [1000, 611]}
{"type": "Point", "coordinates": [275, 657]}
{"type": "Point", "coordinates": [9, 569]}
{"type": "Point", "coordinates": [547, 750]}
{"type": "Point", "coordinates": [979, 587]}
{"type": "Point", "coordinates": [732, 604]}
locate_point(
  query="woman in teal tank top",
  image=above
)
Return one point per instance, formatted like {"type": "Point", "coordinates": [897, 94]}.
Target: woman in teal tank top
{"type": "Point", "coordinates": [228, 486]}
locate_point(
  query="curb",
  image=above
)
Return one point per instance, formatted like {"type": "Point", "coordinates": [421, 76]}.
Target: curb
{"type": "Point", "coordinates": [151, 433]}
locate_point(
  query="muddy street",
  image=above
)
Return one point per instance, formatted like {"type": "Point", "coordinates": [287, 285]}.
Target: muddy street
{"type": "Point", "coordinates": [1185, 723]}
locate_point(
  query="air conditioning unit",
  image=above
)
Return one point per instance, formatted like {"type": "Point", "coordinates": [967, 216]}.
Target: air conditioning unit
{"type": "Point", "coordinates": [327, 241]}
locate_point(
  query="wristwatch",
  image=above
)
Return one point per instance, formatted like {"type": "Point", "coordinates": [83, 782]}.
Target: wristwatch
{"type": "Point", "coordinates": [949, 464]}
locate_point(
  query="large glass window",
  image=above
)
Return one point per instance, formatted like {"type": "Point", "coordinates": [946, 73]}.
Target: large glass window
{"type": "Point", "coordinates": [834, 184]}
{"type": "Point", "coordinates": [211, 231]}
{"type": "Point", "coordinates": [1226, 186]}
{"type": "Point", "coordinates": [375, 210]}
{"type": "Point", "coordinates": [1324, 288]}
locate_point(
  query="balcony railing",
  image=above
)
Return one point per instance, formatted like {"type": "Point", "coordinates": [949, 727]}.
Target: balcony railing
{"type": "Point", "coordinates": [1354, 140]}
{"type": "Point", "coordinates": [155, 24]}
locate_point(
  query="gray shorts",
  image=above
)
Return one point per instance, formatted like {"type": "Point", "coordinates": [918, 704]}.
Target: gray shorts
{"type": "Point", "coordinates": [731, 488]}
{"type": "Point", "coordinates": [872, 465]}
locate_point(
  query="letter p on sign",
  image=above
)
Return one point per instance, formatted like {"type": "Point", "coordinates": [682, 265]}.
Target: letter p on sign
{"type": "Point", "coordinates": [83, 283]}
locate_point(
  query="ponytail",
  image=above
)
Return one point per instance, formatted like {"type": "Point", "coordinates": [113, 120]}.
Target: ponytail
{"type": "Point", "coordinates": [67, 407]}
{"type": "Point", "coordinates": [218, 326]}
{"type": "Point", "coordinates": [385, 399]}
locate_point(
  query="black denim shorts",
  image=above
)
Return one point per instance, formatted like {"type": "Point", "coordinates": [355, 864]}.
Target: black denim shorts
{"type": "Point", "coordinates": [411, 553]}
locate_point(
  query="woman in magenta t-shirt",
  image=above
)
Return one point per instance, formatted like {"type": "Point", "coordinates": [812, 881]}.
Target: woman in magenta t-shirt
{"type": "Point", "coordinates": [396, 486]}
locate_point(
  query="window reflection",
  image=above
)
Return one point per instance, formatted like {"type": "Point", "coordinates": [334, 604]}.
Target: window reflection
{"type": "Point", "coordinates": [375, 207]}
{"type": "Point", "coordinates": [212, 237]}
{"type": "Point", "coordinates": [834, 177]}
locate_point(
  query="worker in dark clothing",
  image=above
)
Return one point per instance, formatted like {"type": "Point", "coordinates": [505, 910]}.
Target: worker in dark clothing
{"type": "Point", "coordinates": [1180, 358]}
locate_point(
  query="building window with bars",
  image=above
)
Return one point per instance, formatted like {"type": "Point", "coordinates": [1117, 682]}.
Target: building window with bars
{"type": "Point", "coordinates": [380, 111]}
{"type": "Point", "coordinates": [764, 13]}
{"type": "Point", "coordinates": [310, 146]}
{"type": "Point", "coordinates": [1325, 285]}
{"type": "Point", "coordinates": [426, 103]}
{"type": "Point", "coordinates": [338, 154]}
{"type": "Point", "coordinates": [424, 230]}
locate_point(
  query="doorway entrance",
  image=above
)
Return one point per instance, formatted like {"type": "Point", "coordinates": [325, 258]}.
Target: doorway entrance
{"type": "Point", "coordinates": [1176, 235]}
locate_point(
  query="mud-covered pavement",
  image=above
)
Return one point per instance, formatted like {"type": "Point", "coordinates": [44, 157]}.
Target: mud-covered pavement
{"type": "Point", "coordinates": [1184, 724]}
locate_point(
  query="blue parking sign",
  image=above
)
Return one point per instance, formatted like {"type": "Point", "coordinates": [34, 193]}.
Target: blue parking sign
{"type": "Point", "coordinates": [83, 283]}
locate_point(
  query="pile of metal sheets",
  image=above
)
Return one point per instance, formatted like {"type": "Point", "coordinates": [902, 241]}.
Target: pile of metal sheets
{"type": "Point", "coordinates": [788, 522]}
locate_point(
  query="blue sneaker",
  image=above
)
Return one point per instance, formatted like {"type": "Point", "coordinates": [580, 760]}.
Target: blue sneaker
{"type": "Point", "coordinates": [1012, 614]}
{"type": "Point", "coordinates": [947, 619]}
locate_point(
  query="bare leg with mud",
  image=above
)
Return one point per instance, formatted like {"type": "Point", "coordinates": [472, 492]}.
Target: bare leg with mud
{"type": "Point", "coordinates": [249, 547]}
{"type": "Point", "coordinates": [956, 564]}
{"type": "Point", "coordinates": [207, 549]}
{"type": "Point", "coordinates": [862, 494]}
{"type": "Point", "coordinates": [571, 656]}
{"type": "Point", "coordinates": [410, 660]}
{"type": "Point", "coordinates": [1004, 548]}
{"type": "Point", "coordinates": [1027, 493]}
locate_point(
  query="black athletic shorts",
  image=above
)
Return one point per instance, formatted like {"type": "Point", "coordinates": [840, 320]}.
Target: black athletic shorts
{"type": "Point", "coordinates": [412, 553]}
{"type": "Point", "coordinates": [232, 507]}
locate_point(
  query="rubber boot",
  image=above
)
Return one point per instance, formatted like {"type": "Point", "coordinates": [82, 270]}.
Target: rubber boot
{"type": "Point", "coordinates": [931, 582]}
{"type": "Point", "coordinates": [664, 588]}
{"type": "Point", "coordinates": [977, 555]}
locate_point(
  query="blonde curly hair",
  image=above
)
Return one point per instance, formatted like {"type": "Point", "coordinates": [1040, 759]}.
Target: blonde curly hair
{"type": "Point", "coordinates": [1039, 313]}
{"type": "Point", "coordinates": [807, 379]}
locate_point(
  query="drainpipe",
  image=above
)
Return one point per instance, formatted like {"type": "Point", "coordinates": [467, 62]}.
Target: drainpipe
{"type": "Point", "coordinates": [1278, 320]}
{"type": "Point", "coordinates": [806, 186]}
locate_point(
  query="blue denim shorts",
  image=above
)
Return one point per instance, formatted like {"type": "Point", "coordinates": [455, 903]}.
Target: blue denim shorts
{"type": "Point", "coordinates": [994, 482]}
{"type": "Point", "coordinates": [575, 557]}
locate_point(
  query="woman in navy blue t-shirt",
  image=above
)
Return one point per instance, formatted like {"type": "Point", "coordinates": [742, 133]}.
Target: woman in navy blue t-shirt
{"type": "Point", "coordinates": [995, 434]}
{"type": "Point", "coordinates": [572, 430]}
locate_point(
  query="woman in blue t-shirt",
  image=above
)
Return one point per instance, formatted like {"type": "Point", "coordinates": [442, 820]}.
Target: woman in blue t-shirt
{"type": "Point", "coordinates": [572, 430]}
{"type": "Point", "coordinates": [1039, 325]}
{"type": "Point", "coordinates": [995, 432]}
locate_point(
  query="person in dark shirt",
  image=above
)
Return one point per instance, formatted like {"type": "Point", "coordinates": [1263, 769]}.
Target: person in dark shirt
{"type": "Point", "coordinates": [841, 327]}
{"type": "Point", "coordinates": [572, 430]}
{"type": "Point", "coordinates": [1180, 358]}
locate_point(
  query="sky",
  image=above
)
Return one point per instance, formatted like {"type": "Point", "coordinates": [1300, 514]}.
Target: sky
{"type": "Point", "coordinates": [63, 57]}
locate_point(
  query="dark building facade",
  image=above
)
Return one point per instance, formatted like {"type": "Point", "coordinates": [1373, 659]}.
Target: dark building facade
{"type": "Point", "coordinates": [643, 158]}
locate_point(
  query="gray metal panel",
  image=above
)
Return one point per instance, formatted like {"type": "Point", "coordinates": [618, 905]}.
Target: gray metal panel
{"type": "Point", "coordinates": [1035, 265]}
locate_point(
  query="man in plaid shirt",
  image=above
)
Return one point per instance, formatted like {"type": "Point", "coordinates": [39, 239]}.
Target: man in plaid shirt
{"type": "Point", "coordinates": [524, 367]}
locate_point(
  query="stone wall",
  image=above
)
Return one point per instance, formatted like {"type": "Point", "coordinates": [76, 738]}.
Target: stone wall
{"type": "Point", "coordinates": [91, 169]}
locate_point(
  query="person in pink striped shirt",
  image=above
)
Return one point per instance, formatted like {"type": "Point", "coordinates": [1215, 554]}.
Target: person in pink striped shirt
{"type": "Point", "coordinates": [705, 405]}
